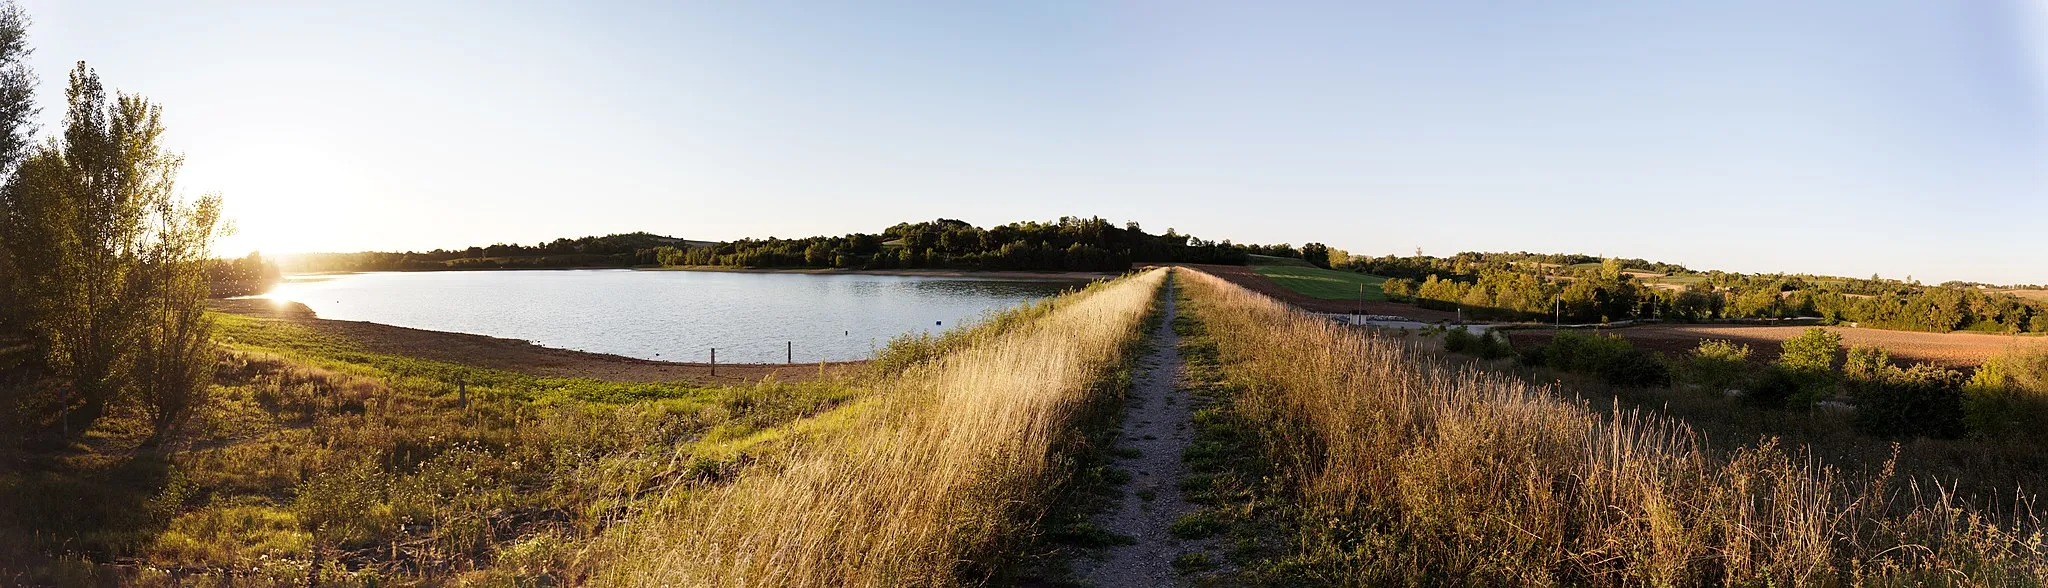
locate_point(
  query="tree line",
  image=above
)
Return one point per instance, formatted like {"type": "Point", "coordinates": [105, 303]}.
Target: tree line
{"type": "Point", "coordinates": [1522, 286]}
{"type": "Point", "coordinates": [616, 250]}
{"type": "Point", "coordinates": [1069, 243]}
{"type": "Point", "coordinates": [103, 261]}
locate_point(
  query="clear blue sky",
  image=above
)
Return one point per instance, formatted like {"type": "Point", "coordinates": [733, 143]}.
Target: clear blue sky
{"type": "Point", "coordinates": [1845, 137]}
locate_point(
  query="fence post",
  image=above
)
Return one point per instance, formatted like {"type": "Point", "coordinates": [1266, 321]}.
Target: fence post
{"type": "Point", "coordinates": [714, 361]}
{"type": "Point", "coordinates": [789, 352]}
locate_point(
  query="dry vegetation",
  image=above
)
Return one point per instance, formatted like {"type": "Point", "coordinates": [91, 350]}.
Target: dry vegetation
{"type": "Point", "coordinates": [317, 461]}
{"type": "Point", "coordinates": [1381, 465]}
{"type": "Point", "coordinates": [951, 462]}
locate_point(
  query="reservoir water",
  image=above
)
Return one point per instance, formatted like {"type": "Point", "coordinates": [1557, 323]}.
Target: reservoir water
{"type": "Point", "coordinates": [669, 315]}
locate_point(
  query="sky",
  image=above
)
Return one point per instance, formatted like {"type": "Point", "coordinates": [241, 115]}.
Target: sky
{"type": "Point", "coordinates": [1851, 137]}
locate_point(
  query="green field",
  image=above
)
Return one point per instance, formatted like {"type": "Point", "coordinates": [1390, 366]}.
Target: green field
{"type": "Point", "coordinates": [1299, 276]}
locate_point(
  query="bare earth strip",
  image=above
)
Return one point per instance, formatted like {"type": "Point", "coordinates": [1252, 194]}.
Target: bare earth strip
{"type": "Point", "coordinates": [519, 356]}
{"type": "Point", "coordinates": [1956, 350]}
{"type": "Point", "coordinates": [1157, 423]}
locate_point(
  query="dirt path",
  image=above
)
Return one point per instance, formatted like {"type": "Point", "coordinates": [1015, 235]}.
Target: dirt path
{"type": "Point", "coordinates": [1157, 424]}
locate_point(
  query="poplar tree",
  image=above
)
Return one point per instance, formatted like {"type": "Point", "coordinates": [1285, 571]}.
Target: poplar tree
{"type": "Point", "coordinates": [110, 260]}
{"type": "Point", "coordinates": [17, 128]}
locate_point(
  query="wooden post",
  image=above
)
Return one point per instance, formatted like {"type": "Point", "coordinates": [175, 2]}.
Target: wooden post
{"type": "Point", "coordinates": [714, 361]}
{"type": "Point", "coordinates": [789, 352]}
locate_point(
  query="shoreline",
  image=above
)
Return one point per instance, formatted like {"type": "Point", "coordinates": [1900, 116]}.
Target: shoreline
{"type": "Point", "coordinates": [1011, 275]}
{"type": "Point", "coordinates": [1016, 275]}
{"type": "Point", "coordinates": [514, 355]}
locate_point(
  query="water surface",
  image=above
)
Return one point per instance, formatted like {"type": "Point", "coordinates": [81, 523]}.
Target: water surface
{"type": "Point", "coordinates": [669, 315]}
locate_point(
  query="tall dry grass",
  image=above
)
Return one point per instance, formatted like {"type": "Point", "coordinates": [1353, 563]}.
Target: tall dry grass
{"type": "Point", "coordinates": [1404, 469]}
{"type": "Point", "coordinates": [927, 486]}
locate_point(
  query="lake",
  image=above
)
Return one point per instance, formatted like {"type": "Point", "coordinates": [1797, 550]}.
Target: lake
{"type": "Point", "coordinates": [669, 315]}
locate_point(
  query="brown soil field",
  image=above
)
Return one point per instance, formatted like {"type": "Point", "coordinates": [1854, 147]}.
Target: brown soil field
{"type": "Point", "coordinates": [1954, 350]}
{"type": "Point", "coordinates": [1251, 280]}
{"type": "Point", "coordinates": [2041, 295]}
{"type": "Point", "coordinates": [519, 356]}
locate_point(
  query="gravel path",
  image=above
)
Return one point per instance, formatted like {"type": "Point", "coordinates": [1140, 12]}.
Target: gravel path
{"type": "Point", "coordinates": [1157, 424]}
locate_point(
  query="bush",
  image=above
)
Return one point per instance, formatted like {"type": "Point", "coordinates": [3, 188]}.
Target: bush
{"type": "Point", "coordinates": [1866, 363]}
{"type": "Point", "coordinates": [1635, 368]}
{"type": "Point", "coordinates": [1717, 365]}
{"type": "Point", "coordinates": [1925, 401]}
{"type": "Point", "coordinates": [1574, 352]}
{"type": "Point", "coordinates": [1810, 359]}
{"type": "Point", "coordinates": [1774, 388]}
{"type": "Point", "coordinates": [1459, 340]}
{"type": "Point", "coordinates": [2008, 396]}
{"type": "Point", "coordinates": [1494, 345]}
{"type": "Point", "coordinates": [1812, 352]}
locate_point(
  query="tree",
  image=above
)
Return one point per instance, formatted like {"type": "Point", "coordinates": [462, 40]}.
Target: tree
{"type": "Point", "coordinates": [110, 260]}
{"type": "Point", "coordinates": [17, 127]}
{"type": "Point", "coordinates": [1316, 254]}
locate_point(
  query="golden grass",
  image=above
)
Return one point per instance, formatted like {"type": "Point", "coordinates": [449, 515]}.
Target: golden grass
{"type": "Point", "coordinates": [946, 466]}
{"type": "Point", "coordinates": [1402, 469]}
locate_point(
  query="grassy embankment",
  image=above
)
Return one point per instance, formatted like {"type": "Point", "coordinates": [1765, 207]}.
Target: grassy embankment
{"type": "Point", "coordinates": [315, 455]}
{"type": "Point", "coordinates": [1299, 276]}
{"type": "Point", "coordinates": [945, 474]}
{"type": "Point", "coordinates": [1338, 457]}
{"type": "Point", "coordinates": [318, 460]}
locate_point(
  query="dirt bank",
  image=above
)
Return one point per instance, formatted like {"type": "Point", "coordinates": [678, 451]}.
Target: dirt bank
{"type": "Point", "coordinates": [518, 356]}
{"type": "Point", "coordinates": [1955, 350]}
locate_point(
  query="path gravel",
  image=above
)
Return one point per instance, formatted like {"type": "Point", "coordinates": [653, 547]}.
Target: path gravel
{"type": "Point", "coordinates": [1156, 423]}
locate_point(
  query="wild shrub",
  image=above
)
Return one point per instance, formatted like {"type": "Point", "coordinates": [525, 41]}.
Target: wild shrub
{"type": "Point", "coordinates": [1635, 368]}
{"type": "Point", "coordinates": [1494, 345]}
{"type": "Point", "coordinates": [1923, 401]}
{"type": "Point", "coordinates": [1717, 365]}
{"type": "Point", "coordinates": [1810, 358]}
{"type": "Point", "coordinates": [1459, 340]}
{"type": "Point", "coordinates": [1866, 363]}
{"type": "Point", "coordinates": [1577, 352]}
{"type": "Point", "coordinates": [2008, 396]}
{"type": "Point", "coordinates": [1774, 387]}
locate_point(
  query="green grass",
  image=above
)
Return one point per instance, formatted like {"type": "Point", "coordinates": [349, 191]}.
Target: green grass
{"type": "Point", "coordinates": [1683, 280]}
{"type": "Point", "coordinates": [1322, 283]}
{"type": "Point", "coordinates": [1258, 260]}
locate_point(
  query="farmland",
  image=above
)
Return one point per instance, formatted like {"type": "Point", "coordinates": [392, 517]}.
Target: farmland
{"type": "Point", "coordinates": [1955, 350]}
{"type": "Point", "coordinates": [1316, 282]}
